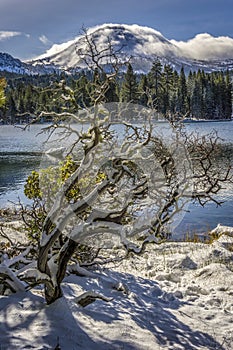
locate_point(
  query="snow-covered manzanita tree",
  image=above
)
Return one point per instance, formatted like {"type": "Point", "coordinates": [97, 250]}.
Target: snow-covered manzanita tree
{"type": "Point", "coordinates": [130, 180]}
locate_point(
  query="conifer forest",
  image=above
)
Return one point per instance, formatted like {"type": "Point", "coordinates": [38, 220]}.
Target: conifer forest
{"type": "Point", "coordinates": [194, 95]}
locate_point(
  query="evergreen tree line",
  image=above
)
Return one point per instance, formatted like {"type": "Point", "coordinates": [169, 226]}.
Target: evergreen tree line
{"type": "Point", "coordinates": [199, 95]}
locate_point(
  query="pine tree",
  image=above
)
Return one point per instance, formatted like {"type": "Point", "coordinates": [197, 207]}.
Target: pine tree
{"type": "Point", "coordinates": [182, 94]}
{"type": "Point", "coordinates": [174, 93]}
{"type": "Point", "coordinates": [129, 90]}
{"type": "Point", "coordinates": [155, 83]}
{"type": "Point", "coordinates": [143, 89]}
{"type": "Point", "coordinates": [111, 94]}
{"type": "Point", "coordinates": [167, 87]}
{"type": "Point", "coordinates": [209, 97]}
{"type": "Point", "coordinates": [28, 99]}
{"type": "Point", "coordinates": [228, 96]}
{"type": "Point", "coordinates": [82, 91]}
{"type": "Point", "coordinates": [11, 106]}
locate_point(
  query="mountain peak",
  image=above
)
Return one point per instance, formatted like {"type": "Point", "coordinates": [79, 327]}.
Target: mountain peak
{"type": "Point", "coordinates": [131, 40]}
{"type": "Point", "coordinates": [129, 37]}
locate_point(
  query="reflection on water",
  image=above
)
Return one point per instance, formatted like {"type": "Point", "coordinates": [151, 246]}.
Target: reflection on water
{"type": "Point", "coordinates": [15, 167]}
{"type": "Point", "coordinates": [224, 129]}
{"type": "Point", "coordinates": [200, 220]}
{"type": "Point", "coordinates": [20, 153]}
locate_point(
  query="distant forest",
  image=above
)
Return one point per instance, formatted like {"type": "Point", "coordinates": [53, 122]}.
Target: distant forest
{"type": "Point", "coordinates": [197, 95]}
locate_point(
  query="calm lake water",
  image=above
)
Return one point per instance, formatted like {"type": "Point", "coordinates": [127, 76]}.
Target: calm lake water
{"type": "Point", "coordinates": [21, 152]}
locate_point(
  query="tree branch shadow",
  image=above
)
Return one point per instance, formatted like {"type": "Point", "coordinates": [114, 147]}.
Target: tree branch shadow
{"type": "Point", "coordinates": [150, 308]}
{"type": "Point", "coordinates": [27, 323]}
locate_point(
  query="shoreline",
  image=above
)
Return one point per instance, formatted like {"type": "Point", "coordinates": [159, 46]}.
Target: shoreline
{"type": "Point", "coordinates": [206, 120]}
{"type": "Point", "coordinates": [12, 219]}
{"type": "Point", "coordinates": [188, 120]}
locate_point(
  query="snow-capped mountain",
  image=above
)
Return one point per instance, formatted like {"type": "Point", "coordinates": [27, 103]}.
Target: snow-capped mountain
{"type": "Point", "coordinates": [14, 65]}
{"type": "Point", "coordinates": [130, 40]}
{"type": "Point", "coordinates": [142, 44]}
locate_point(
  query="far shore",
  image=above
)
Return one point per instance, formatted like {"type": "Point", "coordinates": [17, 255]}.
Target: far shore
{"type": "Point", "coordinates": [186, 120]}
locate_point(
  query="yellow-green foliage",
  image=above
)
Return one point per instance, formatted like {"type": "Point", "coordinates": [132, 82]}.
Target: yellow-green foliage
{"type": "Point", "coordinates": [42, 187]}
{"type": "Point", "coordinates": [45, 184]}
{"type": "Point", "coordinates": [68, 167]}
{"type": "Point", "coordinates": [32, 188]}
{"type": "Point", "coordinates": [2, 93]}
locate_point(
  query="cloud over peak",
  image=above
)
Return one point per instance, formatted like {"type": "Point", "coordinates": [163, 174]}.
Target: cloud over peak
{"type": "Point", "coordinates": [206, 47]}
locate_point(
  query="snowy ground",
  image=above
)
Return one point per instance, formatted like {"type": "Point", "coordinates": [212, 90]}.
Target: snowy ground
{"type": "Point", "coordinates": [176, 296]}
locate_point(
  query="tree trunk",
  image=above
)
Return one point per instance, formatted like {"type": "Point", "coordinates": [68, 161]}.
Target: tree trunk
{"type": "Point", "coordinates": [54, 291]}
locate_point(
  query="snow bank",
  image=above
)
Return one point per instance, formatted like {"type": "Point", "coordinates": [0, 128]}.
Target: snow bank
{"type": "Point", "coordinates": [176, 296]}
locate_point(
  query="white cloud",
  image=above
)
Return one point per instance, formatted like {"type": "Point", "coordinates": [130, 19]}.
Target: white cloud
{"type": "Point", "coordinates": [206, 47]}
{"type": "Point", "coordinates": [203, 46]}
{"type": "Point", "coordinates": [45, 40]}
{"type": "Point", "coordinates": [4, 35]}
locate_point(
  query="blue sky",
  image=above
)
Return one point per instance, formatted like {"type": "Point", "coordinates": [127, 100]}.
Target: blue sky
{"type": "Point", "coordinates": [29, 27]}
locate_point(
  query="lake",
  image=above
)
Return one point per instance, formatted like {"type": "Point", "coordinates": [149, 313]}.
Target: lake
{"type": "Point", "coordinates": [21, 152]}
